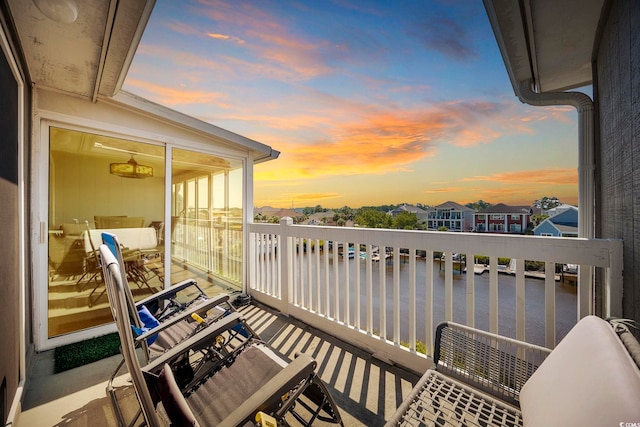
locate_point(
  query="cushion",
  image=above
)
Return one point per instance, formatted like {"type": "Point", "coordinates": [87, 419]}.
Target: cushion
{"type": "Point", "coordinates": [149, 323]}
{"type": "Point", "coordinates": [173, 401]}
{"type": "Point", "coordinates": [589, 379]}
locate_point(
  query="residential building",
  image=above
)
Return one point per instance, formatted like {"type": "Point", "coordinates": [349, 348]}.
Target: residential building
{"type": "Point", "coordinates": [452, 215]}
{"type": "Point", "coordinates": [559, 209]}
{"type": "Point", "coordinates": [420, 213]}
{"type": "Point", "coordinates": [563, 224]}
{"type": "Point", "coordinates": [502, 218]}
{"type": "Point", "coordinates": [280, 213]}
{"type": "Point", "coordinates": [320, 218]}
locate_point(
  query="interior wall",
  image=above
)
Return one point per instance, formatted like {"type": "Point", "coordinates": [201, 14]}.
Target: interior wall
{"type": "Point", "coordinates": [9, 238]}
{"type": "Point", "coordinates": [618, 100]}
{"type": "Point", "coordinates": [75, 191]}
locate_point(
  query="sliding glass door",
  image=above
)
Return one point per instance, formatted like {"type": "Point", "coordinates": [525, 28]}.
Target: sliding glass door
{"type": "Point", "coordinates": [97, 183]}
{"type": "Point", "coordinates": [206, 219]}
{"type": "Point", "coordinates": [100, 183]}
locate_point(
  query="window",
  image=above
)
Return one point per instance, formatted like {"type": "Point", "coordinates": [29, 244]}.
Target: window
{"type": "Point", "coordinates": [499, 217]}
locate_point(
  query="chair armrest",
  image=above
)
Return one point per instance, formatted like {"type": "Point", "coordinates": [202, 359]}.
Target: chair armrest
{"type": "Point", "coordinates": [198, 340]}
{"type": "Point", "coordinates": [495, 364]}
{"type": "Point", "coordinates": [185, 315]}
{"type": "Point", "coordinates": [169, 292]}
{"type": "Point", "coordinates": [299, 369]}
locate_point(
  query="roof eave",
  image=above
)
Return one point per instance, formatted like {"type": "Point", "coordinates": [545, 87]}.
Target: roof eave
{"type": "Point", "coordinates": [260, 152]}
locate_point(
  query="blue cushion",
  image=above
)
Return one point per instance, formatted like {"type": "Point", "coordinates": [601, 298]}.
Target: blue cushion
{"type": "Point", "coordinates": [149, 323]}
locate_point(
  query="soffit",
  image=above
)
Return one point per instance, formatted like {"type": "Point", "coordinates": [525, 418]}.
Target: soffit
{"type": "Point", "coordinates": [548, 41]}
{"type": "Point", "coordinates": [87, 57]}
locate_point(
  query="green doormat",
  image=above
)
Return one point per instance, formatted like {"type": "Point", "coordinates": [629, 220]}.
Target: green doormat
{"type": "Point", "coordinates": [81, 353]}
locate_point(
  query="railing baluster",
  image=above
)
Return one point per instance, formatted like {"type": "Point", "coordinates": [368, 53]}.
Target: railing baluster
{"type": "Point", "coordinates": [428, 317]}
{"type": "Point", "coordinates": [550, 304]}
{"type": "Point", "coordinates": [369, 285]}
{"type": "Point", "coordinates": [471, 298]}
{"type": "Point", "coordinates": [382, 292]}
{"type": "Point", "coordinates": [317, 257]}
{"type": "Point", "coordinates": [412, 298]}
{"type": "Point", "coordinates": [345, 284]}
{"type": "Point", "coordinates": [520, 301]}
{"type": "Point", "coordinates": [493, 294]}
{"type": "Point", "coordinates": [448, 286]}
{"type": "Point", "coordinates": [356, 258]}
{"type": "Point", "coordinates": [296, 272]}
{"type": "Point", "coordinates": [396, 295]}
{"type": "Point", "coordinates": [325, 287]}
{"type": "Point", "coordinates": [336, 283]}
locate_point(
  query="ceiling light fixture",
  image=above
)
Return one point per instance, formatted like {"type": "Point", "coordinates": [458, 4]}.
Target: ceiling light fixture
{"type": "Point", "coordinates": [63, 11]}
{"type": "Point", "coordinates": [131, 169]}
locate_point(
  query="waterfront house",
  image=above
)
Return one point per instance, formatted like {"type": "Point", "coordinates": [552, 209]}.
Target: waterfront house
{"type": "Point", "coordinates": [563, 224]}
{"type": "Point", "coordinates": [452, 215]}
{"type": "Point", "coordinates": [421, 214]}
{"type": "Point", "coordinates": [65, 121]}
{"type": "Point", "coordinates": [559, 209]}
{"type": "Point", "coordinates": [502, 218]}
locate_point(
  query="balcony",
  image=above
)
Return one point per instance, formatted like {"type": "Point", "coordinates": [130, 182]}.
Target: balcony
{"type": "Point", "coordinates": [365, 303]}
{"type": "Point", "coordinates": [390, 307]}
{"type": "Point", "coordinates": [366, 389]}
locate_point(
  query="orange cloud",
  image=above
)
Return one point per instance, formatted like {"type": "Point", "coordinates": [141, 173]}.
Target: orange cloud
{"type": "Point", "coordinates": [443, 190]}
{"type": "Point", "coordinates": [171, 96]}
{"type": "Point", "coordinates": [361, 139]}
{"type": "Point", "coordinates": [225, 37]}
{"type": "Point", "coordinates": [541, 176]}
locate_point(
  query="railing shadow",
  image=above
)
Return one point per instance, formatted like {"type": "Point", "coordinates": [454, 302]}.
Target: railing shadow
{"type": "Point", "coordinates": [367, 390]}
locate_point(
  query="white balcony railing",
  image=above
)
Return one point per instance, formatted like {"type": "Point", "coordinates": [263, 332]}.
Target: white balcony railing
{"type": "Point", "coordinates": [211, 246]}
{"type": "Point", "coordinates": [391, 306]}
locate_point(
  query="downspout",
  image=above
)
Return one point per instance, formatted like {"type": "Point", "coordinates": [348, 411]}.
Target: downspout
{"type": "Point", "coordinates": [586, 157]}
{"type": "Point", "coordinates": [586, 174]}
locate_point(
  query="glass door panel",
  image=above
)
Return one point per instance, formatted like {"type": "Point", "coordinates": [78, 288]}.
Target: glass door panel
{"type": "Point", "coordinates": [206, 220]}
{"type": "Point", "coordinates": [100, 183]}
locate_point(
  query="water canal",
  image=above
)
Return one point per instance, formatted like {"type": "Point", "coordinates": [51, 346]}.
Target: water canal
{"type": "Point", "coordinates": [565, 295]}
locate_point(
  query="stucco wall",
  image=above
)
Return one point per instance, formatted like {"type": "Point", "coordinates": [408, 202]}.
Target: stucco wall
{"type": "Point", "coordinates": [618, 101]}
{"type": "Point", "coordinates": [9, 249]}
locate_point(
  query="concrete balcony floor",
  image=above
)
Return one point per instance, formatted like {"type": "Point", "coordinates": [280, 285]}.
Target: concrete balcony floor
{"type": "Point", "coordinates": [367, 390]}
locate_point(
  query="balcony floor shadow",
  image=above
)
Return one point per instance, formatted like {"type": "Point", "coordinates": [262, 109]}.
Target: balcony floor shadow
{"type": "Point", "coordinates": [367, 390]}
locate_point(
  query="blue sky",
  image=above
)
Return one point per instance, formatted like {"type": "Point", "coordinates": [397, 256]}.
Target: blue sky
{"type": "Point", "coordinates": [370, 102]}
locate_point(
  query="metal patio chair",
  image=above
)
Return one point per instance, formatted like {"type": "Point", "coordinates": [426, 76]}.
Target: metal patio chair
{"type": "Point", "coordinates": [237, 376]}
{"type": "Point", "coordinates": [163, 320]}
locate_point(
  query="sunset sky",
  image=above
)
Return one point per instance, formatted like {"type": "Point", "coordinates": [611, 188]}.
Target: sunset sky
{"type": "Point", "coordinates": [369, 102]}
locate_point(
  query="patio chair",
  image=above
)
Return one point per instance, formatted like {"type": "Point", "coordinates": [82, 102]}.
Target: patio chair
{"type": "Point", "coordinates": [91, 266]}
{"type": "Point", "coordinates": [164, 319]}
{"type": "Point", "coordinates": [590, 379]}
{"type": "Point", "coordinates": [238, 377]}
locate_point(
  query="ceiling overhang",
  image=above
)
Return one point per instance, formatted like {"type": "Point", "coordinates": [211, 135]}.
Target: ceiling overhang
{"type": "Point", "coordinates": [548, 42]}
{"type": "Point", "coordinates": [89, 56]}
